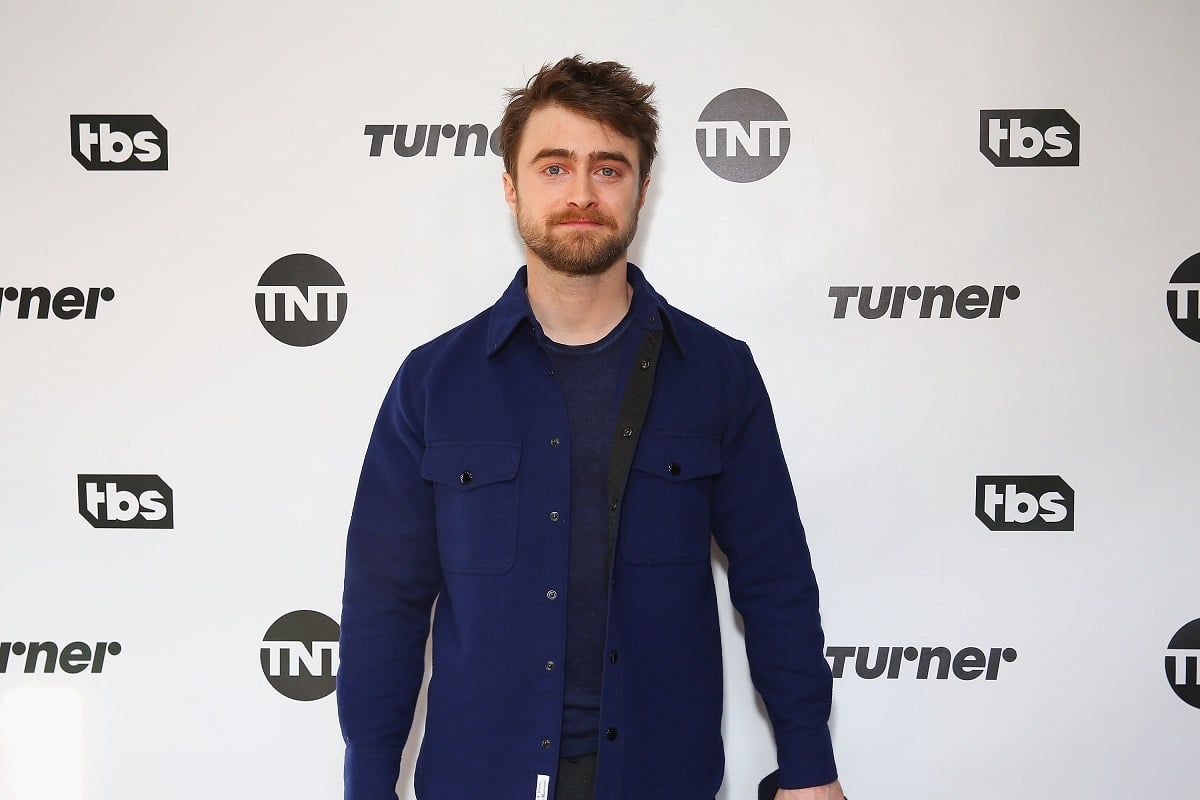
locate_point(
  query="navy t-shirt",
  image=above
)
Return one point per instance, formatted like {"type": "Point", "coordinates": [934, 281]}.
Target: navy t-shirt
{"type": "Point", "coordinates": [589, 375]}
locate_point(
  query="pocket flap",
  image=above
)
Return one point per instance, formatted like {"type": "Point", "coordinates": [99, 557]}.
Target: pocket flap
{"type": "Point", "coordinates": [677, 456]}
{"type": "Point", "coordinates": [469, 465]}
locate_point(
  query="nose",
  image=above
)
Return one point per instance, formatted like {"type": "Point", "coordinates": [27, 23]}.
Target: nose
{"type": "Point", "coordinates": [581, 193]}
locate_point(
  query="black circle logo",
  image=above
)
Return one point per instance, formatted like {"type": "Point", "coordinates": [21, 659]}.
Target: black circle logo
{"type": "Point", "coordinates": [299, 655]}
{"type": "Point", "coordinates": [742, 135]}
{"type": "Point", "coordinates": [1183, 663]}
{"type": "Point", "coordinates": [1183, 298]}
{"type": "Point", "coordinates": [301, 300]}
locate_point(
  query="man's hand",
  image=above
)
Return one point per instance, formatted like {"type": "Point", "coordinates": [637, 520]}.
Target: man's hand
{"type": "Point", "coordinates": [830, 791]}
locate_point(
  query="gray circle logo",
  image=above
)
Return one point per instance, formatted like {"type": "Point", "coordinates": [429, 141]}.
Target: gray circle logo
{"type": "Point", "coordinates": [299, 655]}
{"type": "Point", "coordinates": [1183, 663]}
{"type": "Point", "coordinates": [301, 300]}
{"type": "Point", "coordinates": [742, 135]}
{"type": "Point", "coordinates": [1183, 298]}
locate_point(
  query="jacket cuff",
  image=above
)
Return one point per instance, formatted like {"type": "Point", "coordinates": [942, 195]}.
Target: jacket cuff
{"type": "Point", "coordinates": [806, 760]}
{"type": "Point", "coordinates": [371, 774]}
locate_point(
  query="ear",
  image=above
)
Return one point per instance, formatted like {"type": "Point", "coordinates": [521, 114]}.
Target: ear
{"type": "Point", "coordinates": [510, 192]}
{"type": "Point", "coordinates": [645, 188]}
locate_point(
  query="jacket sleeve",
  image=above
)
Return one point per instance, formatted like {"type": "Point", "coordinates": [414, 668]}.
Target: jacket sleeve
{"type": "Point", "coordinates": [772, 585]}
{"type": "Point", "coordinates": [393, 576]}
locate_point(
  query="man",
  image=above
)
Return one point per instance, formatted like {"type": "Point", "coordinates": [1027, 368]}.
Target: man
{"type": "Point", "coordinates": [551, 473]}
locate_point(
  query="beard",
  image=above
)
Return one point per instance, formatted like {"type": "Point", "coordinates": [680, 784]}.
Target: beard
{"type": "Point", "coordinates": [577, 252]}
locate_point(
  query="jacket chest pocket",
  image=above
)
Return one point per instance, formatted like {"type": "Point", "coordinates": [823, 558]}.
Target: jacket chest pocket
{"type": "Point", "coordinates": [667, 509]}
{"type": "Point", "coordinates": [475, 496]}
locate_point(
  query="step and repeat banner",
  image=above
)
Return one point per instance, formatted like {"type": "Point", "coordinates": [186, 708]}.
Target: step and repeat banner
{"type": "Point", "coordinates": [962, 240]}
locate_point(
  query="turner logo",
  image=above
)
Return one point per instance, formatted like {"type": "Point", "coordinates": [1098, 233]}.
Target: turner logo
{"type": "Point", "coordinates": [743, 135]}
{"type": "Point", "coordinates": [39, 302]}
{"type": "Point", "coordinates": [48, 657]}
{"type": "Point", "coordinates": [1042, 137]}
{"type": "Point", "coordinates": [920, 663]}
{"type": "Point", "coordinates": [1183, 663]}
{"type": "Point", "coordinates": [971, 302]}
{"type": "Point", "coordinates": [412, 140]}
{"type": "Point", "coordinates": [126, 501]}
{"type": "Point", "coordinates": [301, 300]}
{"type": "Point", "coordinates": [1183, 298]}
{"type": "Point", "coordinates": [118, 142]}
{"type": "Point", "coordinates": [1024, 503]}
{"type": "Point", "coordinates": [299, 655]}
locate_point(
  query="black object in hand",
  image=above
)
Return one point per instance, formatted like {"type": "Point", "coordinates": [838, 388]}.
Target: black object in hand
{"type": "Point", "coordinates": [769, 785]}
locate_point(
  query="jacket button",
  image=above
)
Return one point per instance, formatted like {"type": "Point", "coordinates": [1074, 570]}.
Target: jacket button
{"type": "Point", "coordinates": [612, 656]}
{"type": "Point", "coordinates": [646, 364]}
{"type": "Point", "coordinates": [550, 373]}
{"type": "Point", "coordinates": [611, 734]}
{"type": "Point", "coordinates": [545, 743]}
{"type": "Point", "coordinates": [554, 442]}
{"type": "Point", "coordinates": [465, 478]}
{"type": "Point", "coordinates": [549, 666]}
{"type": "Point", "coordinates": [550, 595]}
{"type": "Point", "coordinates": [554, 516]}
{"type": "Point", "coordinates": [627, 432]}
{"type": "Point", "coordinates": [612, 506]}
{"type": "Point", "coordinates": [673, 468]}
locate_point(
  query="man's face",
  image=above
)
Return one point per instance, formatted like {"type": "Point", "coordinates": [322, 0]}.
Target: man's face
{"type": "Point", "coordinates": [576, 194]}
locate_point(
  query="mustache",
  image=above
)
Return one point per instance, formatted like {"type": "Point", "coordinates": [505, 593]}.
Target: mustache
{"type": "Point", "coordinates": [594, 216]}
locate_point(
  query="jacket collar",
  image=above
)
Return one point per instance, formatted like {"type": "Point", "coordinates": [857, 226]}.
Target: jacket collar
{"type": "Point", "coordinates": [650, 311]}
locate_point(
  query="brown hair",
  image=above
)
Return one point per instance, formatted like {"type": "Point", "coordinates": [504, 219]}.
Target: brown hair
{"type": "Point", "coordinates": [604, 91]}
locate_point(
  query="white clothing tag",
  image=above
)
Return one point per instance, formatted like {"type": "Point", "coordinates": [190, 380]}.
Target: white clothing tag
{"type": "Point", "coordinates": [543, 788]}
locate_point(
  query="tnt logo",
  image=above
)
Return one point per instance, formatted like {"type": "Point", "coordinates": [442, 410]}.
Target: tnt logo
{"type": "Point", "coordinates": [1183, 298]}
{"type": "Point", "coordinates": [300, 655]}
{"type": "Point", "coordinates": [301, 300]}
{"type": "Point", "coordinates": [1024, 503]}
{"type": "Point", "coordinates": [1183, 663]}
{"type": "Point", "coordinates": [126, 501]}
{"type": "Point", "coordinates": [1044, 137]}
{"type": "Point", "coordinates": [742, 135]}
{"type": "Point", "coordinates": [118, 142]}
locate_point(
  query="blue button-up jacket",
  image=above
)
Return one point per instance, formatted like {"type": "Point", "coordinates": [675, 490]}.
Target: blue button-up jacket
{"type": "Point", "coordinates": [462, 511]}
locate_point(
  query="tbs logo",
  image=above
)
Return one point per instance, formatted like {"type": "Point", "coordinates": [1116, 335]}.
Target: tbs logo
{"type": "Point", "coordinates": [1024, 503]}
{"type": "Point", "coordinates": [1044, 137]}
{"type": "Point", "coordinates": [126, 501]}
{"type": "Point", "coordinates": [299, 655]}
{"type": "Point", "coordinates": [118, 142]}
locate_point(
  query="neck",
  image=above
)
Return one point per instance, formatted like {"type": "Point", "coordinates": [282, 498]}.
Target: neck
{"type": "Point", "coordinates": [578, 309]}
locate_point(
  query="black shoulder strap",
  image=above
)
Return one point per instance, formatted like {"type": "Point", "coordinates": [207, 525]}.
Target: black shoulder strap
{"type": "Point", "coordinates": [632, 413]}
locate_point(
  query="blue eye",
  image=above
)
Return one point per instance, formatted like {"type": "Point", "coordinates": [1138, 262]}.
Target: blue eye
{"type": "Point", "coordinates": [608, 172]}
{"type": "Point", "coordinates": [554, 170]}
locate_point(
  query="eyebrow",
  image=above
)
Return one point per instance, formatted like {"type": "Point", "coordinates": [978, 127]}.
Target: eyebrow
{"type": "Point", "coordinates": [594, 156]}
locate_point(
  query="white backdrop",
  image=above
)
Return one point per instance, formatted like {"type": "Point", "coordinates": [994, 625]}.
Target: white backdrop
{"type": "Point", "coordinates": [887, 422]}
